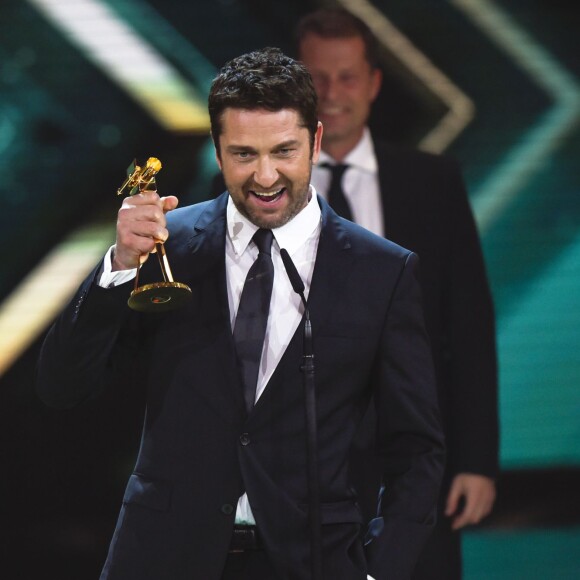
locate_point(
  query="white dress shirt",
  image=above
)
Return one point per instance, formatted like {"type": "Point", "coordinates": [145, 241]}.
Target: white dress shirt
{"type": "Point", "coordinates": [360, 183]}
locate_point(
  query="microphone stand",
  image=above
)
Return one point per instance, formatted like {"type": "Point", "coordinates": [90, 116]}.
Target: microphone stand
{"type": "Point", "coordinates": [307, 369]}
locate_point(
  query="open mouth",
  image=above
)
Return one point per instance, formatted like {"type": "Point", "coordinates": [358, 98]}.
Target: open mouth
{"type": "Point", "coordinates": [268, 196]}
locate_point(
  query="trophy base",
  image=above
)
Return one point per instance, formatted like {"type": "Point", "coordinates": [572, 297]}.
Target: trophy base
{"type": "Point", "coordinates": [159, 297]}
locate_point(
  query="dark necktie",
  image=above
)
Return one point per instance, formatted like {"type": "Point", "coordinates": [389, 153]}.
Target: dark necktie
{"type": "Point", "coordinates": [336, 198]}
{"type": "Point", "coordinates": [252, 317]}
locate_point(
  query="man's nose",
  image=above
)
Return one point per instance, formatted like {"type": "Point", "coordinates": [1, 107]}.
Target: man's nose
{"type": "Point", "coordinates": [328, 90]}
{"type": "Point", "coordinates": [266, 173]}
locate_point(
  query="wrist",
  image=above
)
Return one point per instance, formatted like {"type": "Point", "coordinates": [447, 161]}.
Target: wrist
{"type": "Point", "coordinates": [118, 264]}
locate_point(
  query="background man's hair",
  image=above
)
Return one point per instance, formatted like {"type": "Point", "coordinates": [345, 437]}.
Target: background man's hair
{"type": "Point", "coordinates": [337, 23]}
{"type": "Point", "coordinates": [263, 79]}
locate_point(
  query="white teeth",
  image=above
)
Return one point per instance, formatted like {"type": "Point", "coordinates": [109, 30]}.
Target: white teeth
{"type": "Point", "coordinates": [268, 194]}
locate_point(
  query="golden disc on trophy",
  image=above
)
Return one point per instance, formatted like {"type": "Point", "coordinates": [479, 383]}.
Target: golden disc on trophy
{"type": "Point", "coordinates": [159, 296]}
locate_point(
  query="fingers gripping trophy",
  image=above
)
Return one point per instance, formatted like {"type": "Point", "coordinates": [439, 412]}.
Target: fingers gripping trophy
{"type": "Point", "coordinates": [157, 296]}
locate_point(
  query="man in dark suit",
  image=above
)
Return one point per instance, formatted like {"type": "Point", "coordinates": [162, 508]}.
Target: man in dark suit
{"type": "Point", "coordinates": [419, 201]}
{"type": "Point", "coordinates": [221, 485]}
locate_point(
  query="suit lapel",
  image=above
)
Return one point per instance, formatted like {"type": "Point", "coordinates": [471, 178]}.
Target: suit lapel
{"type": "Point", "coordinates": [398, 187]}
{"type": "Point", "coordinates": [385, 184]}
{"type": "Point", "coordinates": [207, 248]}
{"type": "Point", "coordinates": [333, 266]}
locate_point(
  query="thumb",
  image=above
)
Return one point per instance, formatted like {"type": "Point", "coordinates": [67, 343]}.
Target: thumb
{"type": "Point", "coordinates": [170, 202]}
{"type": "Point", "coordinates": [453, 499]}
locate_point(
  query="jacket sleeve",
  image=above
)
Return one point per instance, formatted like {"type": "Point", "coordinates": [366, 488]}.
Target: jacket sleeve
{"type": "Point", "coordinates": [79, 352]}
{"type": "Point", "coordinates": [473, 416]}
{"type": "Point", "coordinates": [409, 433]}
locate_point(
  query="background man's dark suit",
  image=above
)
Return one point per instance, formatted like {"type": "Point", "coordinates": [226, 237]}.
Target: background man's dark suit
{"type": "Point", "coordinates": [426, 209]}
{"type": "Point", "coordinates": [179, 507]}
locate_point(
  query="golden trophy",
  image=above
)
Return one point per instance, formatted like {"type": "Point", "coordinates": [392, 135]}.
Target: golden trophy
{"type": "Point", "coordinates": [158, 296]}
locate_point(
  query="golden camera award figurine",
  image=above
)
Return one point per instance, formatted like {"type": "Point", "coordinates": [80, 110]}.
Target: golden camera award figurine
{"type": "Point", "coordinates": [158, 296]}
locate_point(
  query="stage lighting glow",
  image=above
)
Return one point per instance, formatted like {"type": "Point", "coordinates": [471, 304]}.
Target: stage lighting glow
{"type": "Point", "coordinates": [41, 295]}
{"type": "Point", "coordinates": [502, 186]}
{"type": "Point", "coordinates": [130, 60]}
{"type": "Point", "coordinates": [461, 109]}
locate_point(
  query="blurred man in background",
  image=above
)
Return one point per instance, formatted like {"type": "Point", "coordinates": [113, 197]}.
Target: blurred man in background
{"type": "Point", "coordinates": [419, 201]}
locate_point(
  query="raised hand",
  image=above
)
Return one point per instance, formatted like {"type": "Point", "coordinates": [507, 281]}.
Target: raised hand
{"type": "Point", "coordinates": [141, 223]}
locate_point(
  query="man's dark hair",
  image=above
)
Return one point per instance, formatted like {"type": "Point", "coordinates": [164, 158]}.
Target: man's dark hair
{"type": "Point", "coordinates": [264, 79]}
{"type": "Point", "coordinates": [337, 23]}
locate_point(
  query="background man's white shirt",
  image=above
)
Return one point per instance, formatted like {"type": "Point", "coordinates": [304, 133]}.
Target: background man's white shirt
{"type": "Point", "coordinates": [360, 183]}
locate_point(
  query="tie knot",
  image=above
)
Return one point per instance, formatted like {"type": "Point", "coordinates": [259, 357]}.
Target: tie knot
{"type": "Point", "coordinates": [336, 170]}
{"type": "Point", "coordinates": [263, 239]}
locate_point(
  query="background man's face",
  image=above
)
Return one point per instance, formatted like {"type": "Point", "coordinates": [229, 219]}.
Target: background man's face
{"type": "Point", "coordinates": [345, 83]}
{"type": "Point", "coordinates": [266, 161]}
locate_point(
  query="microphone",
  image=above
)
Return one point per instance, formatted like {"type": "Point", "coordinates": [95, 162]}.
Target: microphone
{"type": "Point", "coordinates": [298, 287]}
{"type": "Point", "coordinates": [307, 368]}
{"type": "Point", "coordinates": [293, 275]}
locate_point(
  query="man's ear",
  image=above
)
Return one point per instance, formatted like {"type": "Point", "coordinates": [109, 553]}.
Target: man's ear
{"type": "Point", "coordinates": [376, 82]}
{"type": "Point", "coordinates": [218, 157]}
{"type": "Point", "coordinates": [317, 143]}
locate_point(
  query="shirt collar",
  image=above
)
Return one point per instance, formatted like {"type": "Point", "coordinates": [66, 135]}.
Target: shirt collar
{"type": "Point", "coordinates": [362, 156]}
{"type": "Point", "coordinates": [290, 236]}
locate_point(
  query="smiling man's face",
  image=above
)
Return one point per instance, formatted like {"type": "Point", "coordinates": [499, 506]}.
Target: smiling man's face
{"type": "Point", "coordinates": [346, 85]}
{"type": "Point", "coordinates": [266, 160]}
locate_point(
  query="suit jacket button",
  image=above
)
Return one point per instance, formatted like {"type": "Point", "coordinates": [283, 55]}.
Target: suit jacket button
{"type": "Point", "coordinates": [227, 509]}
{"type": "Point", "coordinates": [245, 439]}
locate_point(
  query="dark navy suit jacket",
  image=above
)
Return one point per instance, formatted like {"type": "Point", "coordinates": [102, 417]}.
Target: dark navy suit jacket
{"type": "Point", "coordinates": [193, 465]}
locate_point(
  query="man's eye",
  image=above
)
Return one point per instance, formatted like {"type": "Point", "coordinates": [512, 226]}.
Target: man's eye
{"type": "Point", "coordinates": [348, 78]}
{"type": "Point", "coordinates": [285, 152]}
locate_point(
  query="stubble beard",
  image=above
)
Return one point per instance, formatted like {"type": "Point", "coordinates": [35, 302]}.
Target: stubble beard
{"type": "Point", "coordinates": [294, 207]}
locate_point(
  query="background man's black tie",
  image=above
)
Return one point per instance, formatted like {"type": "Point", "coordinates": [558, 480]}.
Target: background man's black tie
{"type": "Point", "coordinates": [336, 197]}
{"type": "Point", "coordinates": [252, 317]}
